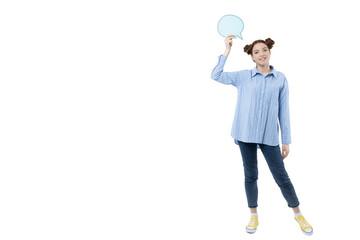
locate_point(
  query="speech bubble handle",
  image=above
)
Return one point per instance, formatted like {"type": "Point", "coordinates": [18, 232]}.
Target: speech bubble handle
{"type": "Point", "coordinates": [230, 25]}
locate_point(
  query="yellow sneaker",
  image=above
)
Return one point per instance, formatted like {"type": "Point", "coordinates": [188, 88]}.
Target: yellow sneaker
{"type": "Point", "coordinates": [304, 225]}
{"type": "Point", "coordinates": [252, 226]}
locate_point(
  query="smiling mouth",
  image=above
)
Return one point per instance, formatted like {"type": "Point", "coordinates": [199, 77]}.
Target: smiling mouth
{"type": "Point", "coordinates": [262, 59]}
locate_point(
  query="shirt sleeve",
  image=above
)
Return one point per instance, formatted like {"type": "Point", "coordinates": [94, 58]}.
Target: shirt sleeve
{"type": "Point", "coordinates": [224, 77]}
{"type": "Point", "coordinates": [284, 113]}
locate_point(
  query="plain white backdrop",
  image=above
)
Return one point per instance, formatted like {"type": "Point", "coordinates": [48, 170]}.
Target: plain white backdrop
{"type": "Point", "coordinates": [111, 127]}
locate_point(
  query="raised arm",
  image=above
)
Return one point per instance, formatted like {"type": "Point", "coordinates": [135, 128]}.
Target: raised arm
{"type": "Point", "coordinates": [218, 74]}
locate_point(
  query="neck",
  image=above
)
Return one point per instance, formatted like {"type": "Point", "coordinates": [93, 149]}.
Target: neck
{"type": "Point", "coordinates": [264, 69]}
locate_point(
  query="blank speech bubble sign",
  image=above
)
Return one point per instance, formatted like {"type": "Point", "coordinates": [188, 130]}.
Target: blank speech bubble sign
{"type": "Point", "coordinates": [230, 25]}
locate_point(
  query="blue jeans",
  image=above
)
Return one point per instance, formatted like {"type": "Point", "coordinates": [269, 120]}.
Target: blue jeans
{"type": "Point", "coordinates": [275, 162]}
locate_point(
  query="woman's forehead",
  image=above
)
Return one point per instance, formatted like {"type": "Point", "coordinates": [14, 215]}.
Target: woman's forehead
{"type": "Point", "coordinates": [259, 46]}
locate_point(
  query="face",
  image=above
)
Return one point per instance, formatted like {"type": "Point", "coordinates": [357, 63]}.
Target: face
{"type": "Point", "coordinates": [261, 54]}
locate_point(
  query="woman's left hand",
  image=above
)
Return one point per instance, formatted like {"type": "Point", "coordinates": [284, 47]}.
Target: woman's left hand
{"type": "Point", "coordinates": [285, 150]}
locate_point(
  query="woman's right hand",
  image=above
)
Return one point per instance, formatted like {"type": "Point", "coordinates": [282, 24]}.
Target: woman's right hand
{"type": "Point", "coordinates": [228, 41]}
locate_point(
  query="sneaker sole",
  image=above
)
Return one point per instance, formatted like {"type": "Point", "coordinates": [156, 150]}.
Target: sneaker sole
{"type": "Point", "coordinates": [306, 233]}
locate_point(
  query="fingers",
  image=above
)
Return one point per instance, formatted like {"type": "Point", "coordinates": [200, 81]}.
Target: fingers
{"type": "Point", "coordinates": [285, 151]}
{"type": "Point", "coordinates": [284, 154]}
{"type": "Point", "coordinates": [230, 37]}
{"type": "Point", "coordinates": [228, 40]}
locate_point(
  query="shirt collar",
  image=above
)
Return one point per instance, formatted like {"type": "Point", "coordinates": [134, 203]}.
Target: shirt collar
{"type": "Point", "coordinates": [254, 71]}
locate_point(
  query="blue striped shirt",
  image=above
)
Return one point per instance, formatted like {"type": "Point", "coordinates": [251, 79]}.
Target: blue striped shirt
{"type": "Point", "coordinates": [262, 103]}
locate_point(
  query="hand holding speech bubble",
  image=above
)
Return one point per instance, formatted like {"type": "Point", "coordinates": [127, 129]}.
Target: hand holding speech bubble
{"type": "Point", "coordinates": [230, 25]}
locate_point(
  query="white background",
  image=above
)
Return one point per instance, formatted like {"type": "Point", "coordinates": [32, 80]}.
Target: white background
{"type": "Point", "coordinates": [111, 127]}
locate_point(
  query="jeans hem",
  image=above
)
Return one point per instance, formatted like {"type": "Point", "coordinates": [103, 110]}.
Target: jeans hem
{"type": "Point", "coordinates": [294, 206]}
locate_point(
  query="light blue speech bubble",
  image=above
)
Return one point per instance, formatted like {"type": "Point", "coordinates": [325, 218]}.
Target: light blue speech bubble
{"type": "Point", "coordinates": [230, 25]}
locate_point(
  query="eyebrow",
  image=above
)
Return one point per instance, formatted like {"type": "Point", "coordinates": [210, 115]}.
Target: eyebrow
{"type": "Point", "coordinates": [258, 50]}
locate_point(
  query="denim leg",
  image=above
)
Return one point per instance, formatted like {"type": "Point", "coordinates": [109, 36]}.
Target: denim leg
{"type": "Point", "coordinates": [249, 157]}
{"type": "Point", "coordinates": [275, 162]}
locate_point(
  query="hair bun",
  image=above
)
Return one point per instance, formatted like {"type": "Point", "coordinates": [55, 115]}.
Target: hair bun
{"type": "Point", "coordinates": [269, 42]}
{"type": "Point", "coordinates": [247, 49]}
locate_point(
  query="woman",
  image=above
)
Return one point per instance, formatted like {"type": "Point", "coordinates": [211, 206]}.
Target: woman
{"type": "Point", "coordinates": [263, 99]}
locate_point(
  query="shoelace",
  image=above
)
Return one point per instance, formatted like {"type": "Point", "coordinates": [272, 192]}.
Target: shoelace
{"type": "Point", "coordinates": [252, 222]}
{"type": "Point", "coordinates": [304, 224]}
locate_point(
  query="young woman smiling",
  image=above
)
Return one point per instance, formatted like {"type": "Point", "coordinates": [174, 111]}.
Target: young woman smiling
{"type": "Point", "coordinates": [262, 102]}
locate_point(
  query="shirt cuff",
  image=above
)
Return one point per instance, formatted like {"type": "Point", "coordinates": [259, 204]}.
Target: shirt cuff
{"type": "Point", "coordinates": [286, 140]}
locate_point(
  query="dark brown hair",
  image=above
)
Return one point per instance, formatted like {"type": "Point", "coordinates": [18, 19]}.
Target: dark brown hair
{"type": "Point", "coordinates": [269, 42]}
